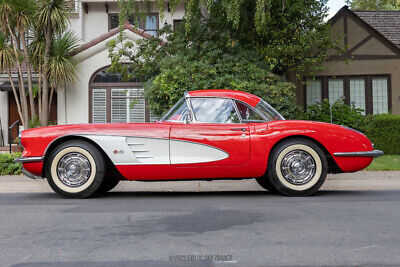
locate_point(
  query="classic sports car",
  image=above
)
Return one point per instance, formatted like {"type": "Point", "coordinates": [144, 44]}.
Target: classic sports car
{"type": "Point", "coordinates": [208, 134]}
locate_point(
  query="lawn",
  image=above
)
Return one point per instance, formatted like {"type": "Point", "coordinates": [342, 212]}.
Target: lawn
{"type": "Point", "coordinates": [385, 163]}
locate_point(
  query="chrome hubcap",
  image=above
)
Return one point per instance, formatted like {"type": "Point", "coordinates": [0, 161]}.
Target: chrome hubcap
{"type": "Point", "coordinates": [298, 167]}
{"type": "Point", "coordinates": [73, 169]}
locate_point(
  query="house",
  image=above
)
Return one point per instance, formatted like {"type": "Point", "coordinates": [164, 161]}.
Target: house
{"type": "Point", "coordinates": [96, 95]}
{"type": "Point", "coordinates": [368, 73]}
{"type": "Point", "coordinates": [370, 78]}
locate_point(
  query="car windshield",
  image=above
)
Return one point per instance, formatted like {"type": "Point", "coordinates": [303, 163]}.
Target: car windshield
{"type": "Point", "coordinates": [269, 112]}
{"type": "Point", "coordinates": [177, 112]}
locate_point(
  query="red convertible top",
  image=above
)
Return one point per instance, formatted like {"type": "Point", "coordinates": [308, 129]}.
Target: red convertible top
{"type": "Point", "coordinates": [239, 95]}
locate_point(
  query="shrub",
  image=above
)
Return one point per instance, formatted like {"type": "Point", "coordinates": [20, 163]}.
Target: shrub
{"type": "Point", "coordinates": [384, 131]}
{"type": "Point", "coordinates": [338, 113]}
{"type": "Point", "coordinates": [7, 165]}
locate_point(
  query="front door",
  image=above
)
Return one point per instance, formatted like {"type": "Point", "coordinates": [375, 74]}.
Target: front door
{"type": "Point", "coordinates": [214, 137]}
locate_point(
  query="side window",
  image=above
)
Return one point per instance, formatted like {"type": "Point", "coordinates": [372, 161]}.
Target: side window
{"type": "Point", "coordinates": [178, 112]}
{"type": "Point", "coordinates": [214, 110]}
{"type": "Point", "coordinates": [247, 113]}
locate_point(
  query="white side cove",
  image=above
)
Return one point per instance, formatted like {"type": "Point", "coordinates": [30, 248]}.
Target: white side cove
{"type": "Point", "coordinates": [123, 150]}
{"type": "Point", "coordinates": [184, 152]}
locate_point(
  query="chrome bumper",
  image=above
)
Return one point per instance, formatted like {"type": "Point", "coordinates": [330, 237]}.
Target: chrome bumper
{"type": "Point", "coordinates": [371, 154]}
{"type": "Point", "coordinates": [29, 159]}
{"type": "Point", "coordinates": [30, 175]}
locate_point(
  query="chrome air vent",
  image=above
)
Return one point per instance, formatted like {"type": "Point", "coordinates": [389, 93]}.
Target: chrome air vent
{"type": "Point", "coordinates": [139, 149]}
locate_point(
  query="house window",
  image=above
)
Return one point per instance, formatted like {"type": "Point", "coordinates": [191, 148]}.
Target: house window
{"type": "Point", "coordinates": [335, 90]}
{"type": "Point", "coordinates": [370, 93]}
{"type": "Point", "coordinates": [176, 24]}
{"type": "Point", "coordinates": [149, 24]}
{"type": "Point", "coordinates": [357, 93]}
{"type": "Point", "coordinates": [127, 105]}
{"type": "Point", "coordinates": [99, 105]}
{"type": "Point", "coordinates": [380, 95]}
{"type": "Point", "coordinates": [314, 90]}
{"type": "Point", "coordinates": [115, 100]}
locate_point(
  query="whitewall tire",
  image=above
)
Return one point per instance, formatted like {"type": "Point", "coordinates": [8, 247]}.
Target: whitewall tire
{"type": "Point", "coordinates": [297, 167]}
{"type": "Point", "coordinates": [75, 169]}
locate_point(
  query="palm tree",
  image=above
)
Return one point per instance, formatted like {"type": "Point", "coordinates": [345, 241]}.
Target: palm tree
{"type": "Point", "coordinates": [53, 19]}
{"type": "Point", "coordinates": [7, 61]}
{"type": "Point", "coordinates": [61, 67]}
{"type": "Point", "coordinates": [8, 24]}
{"type": "Point", "coordinates": [23, 14]}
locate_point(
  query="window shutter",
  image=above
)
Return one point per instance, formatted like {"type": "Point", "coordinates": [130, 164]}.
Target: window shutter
{"type": "Point", "coordinates": [137, 108]}
{"type": "Point", "coordinates": [99, 110]}
{"type": "Point", "coordinates": [119, 107]}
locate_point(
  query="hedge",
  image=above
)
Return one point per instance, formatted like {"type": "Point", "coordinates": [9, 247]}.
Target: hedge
{"type": "Point", "coordinates": [7, 165]}
{"type": "Point", "coordinates": [384, 131]}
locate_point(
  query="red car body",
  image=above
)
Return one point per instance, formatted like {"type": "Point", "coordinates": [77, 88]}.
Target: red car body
{"type": "Point", "coordinates": [246, 145]}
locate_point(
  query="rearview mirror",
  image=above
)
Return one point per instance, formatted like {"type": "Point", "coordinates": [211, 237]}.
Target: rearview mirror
{"type": "Point", "coordinates": [187, 118]}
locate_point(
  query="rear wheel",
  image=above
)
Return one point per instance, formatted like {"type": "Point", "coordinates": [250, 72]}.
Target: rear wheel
{"type": "Point", "coordinates": [264, 182]}
{"type": "Point", "coordinates": [109, 183]}
{"type": "Point", "coordinates": [297, 167]}
{"type": "Point", "coordinates": [75, 169]}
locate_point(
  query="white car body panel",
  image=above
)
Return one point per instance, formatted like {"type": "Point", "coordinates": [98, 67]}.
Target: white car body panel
{"type": "Point", "coordinates": [129, 150]}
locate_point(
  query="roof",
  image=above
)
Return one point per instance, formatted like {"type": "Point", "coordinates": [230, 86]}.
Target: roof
{"type": "Point", "coordinates": [385, 22]}
{"type": "Point", "coordinates": [248, 98]}
{"type": "Point", "coordinates": [105, 36]}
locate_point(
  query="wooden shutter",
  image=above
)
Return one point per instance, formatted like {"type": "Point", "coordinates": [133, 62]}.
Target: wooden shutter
{"type": "Point", "coordinates": [99, 106]}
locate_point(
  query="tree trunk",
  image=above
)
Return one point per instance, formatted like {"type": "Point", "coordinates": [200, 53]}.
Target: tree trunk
{"type": "Point", "coordinates": [29, 73]}
{"type": "Point", "coordinates": [51, 99]}
{"type": "Point", "coordinates": [40, 92]}
{"type": "Point", "coordinates": [16, 98]}
{"type": "Point", "coordinates": [45, 96]}
{"type": "Point", "coordinates": [22, 94]}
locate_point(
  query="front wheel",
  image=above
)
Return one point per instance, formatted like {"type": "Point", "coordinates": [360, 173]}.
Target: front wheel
{"type": "Point", "coordinates": [75, 169]}
{"type": "Point", "coordinates": [297, 167]}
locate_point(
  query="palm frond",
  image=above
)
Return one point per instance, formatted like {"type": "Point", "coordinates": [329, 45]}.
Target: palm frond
{"type": "Point", "coordinates": [7, 59]}
{"type": "Point", "coordinates": [62, 67]}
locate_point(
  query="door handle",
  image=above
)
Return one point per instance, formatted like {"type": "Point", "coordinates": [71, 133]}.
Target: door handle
{"type": "Point", "coordinates": [239, 129]}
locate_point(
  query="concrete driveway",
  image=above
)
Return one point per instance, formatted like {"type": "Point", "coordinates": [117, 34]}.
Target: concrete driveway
{"type": "Point", "coordinates": [354, 220]}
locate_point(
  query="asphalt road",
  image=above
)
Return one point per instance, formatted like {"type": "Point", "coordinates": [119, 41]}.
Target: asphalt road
{"type": "Point", "coordinates": [243, 227]}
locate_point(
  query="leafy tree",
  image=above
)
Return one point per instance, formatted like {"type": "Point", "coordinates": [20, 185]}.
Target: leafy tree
{"type": "Point", "coordinates": [289, 34]}
{"type": "Point", "coordinates": [196, 60]}
{"type": "Point", "coordinates": [374, 4]}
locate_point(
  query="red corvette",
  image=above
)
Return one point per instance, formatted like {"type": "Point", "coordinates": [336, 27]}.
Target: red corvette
{"type": "Point", "coordinates": [208, 134]}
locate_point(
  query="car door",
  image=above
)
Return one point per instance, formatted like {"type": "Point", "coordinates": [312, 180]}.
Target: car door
{"type": "Point", "coordinates": [214, 136]}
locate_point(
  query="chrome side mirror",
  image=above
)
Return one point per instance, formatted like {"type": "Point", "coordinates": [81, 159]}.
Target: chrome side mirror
{"type": "Point", "coordinates": [187, 118]}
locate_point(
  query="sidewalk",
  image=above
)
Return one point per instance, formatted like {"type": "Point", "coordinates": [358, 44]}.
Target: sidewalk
{"type": "Point", "coordinates": [350, 181]}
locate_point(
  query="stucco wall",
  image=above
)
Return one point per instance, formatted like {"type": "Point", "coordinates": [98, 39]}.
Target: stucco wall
{"type": "Point", "coordinates": [77, 94]}
{"type": "Point", "coordinates": [373, 47]}
{"type": "Point", "coordinates": [95, 22]}
{"type": "Point", "coordinates": [4, 115]}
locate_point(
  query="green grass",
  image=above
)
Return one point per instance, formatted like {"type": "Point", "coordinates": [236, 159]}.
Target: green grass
{"type": "Point", "coordinates": [385, 163]}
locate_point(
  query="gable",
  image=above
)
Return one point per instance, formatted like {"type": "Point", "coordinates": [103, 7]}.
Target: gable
{"type": "Point", "coordinates": [355, 33]}
{"type": "Point", "coordinates": [373, 47]}
{"type": "Point", "coordinates": [360, 40]}
{"type": "Point", "coordinates": [99, 44]}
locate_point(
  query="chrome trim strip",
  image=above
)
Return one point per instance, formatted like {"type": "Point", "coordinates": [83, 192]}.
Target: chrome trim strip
{"type": "Point", "coordinates": [372, 154]}
{"type": "Point", "coordinates": [29, 159]}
